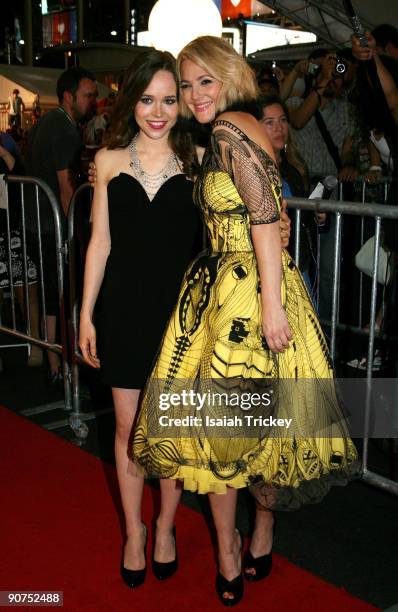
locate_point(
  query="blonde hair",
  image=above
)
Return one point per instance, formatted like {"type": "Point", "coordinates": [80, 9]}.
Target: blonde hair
{"type": "Point", "coordinates": [220, 60]}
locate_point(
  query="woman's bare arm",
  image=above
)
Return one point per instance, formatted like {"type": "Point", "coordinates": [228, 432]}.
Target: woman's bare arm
{"type": "Point", "coordinates": [97, 255]}
{"type": "Point", "coordinates": [265, 228]}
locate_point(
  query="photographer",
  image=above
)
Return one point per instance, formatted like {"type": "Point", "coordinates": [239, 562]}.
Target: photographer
{"type": "Point", "coordinates": [325, 126]}
{"type": "Point", "coordinates": [378, 103]}
{"type": "Point", "coordinates": [385, 69]}
{"type": "Point", "coordinates": [324, 120]}
{"type": "Point", "coordinates": [386, 37]}
{"type": "Point", "coordinates": [293, 82]}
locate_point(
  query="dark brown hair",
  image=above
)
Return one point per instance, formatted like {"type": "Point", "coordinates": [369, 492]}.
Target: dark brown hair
{"type": "Point", "coordinates": [292, 153]}
{"type": "Point", "coordinates": [123, 126]}
{"type": "Point", "coordinates": [70, 79]}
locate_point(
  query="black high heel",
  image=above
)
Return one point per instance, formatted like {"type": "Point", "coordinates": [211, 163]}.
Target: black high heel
{"type": "Point", "coordinates": [134, 578]}
{"type": "Point", "coordinates": [162, 571]}
{"type": "Point", "coordinates": [262, 565]}
{"type": "Point", "coordinates": [234, 586]}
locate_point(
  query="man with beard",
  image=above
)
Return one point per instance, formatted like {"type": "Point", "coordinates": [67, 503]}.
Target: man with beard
{"type": "Point", "coordinates": [53, 155]}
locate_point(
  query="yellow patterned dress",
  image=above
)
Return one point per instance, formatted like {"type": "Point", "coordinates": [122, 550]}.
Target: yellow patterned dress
{"type": "Point", "coordinates": [220, 409]}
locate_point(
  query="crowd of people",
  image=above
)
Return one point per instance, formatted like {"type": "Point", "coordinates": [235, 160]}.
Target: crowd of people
{"type": "Point", "coordinates": [161, 316]}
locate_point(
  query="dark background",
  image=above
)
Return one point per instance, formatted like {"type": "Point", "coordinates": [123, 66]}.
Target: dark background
{"type": "Point", "coordinates": [100, 17]}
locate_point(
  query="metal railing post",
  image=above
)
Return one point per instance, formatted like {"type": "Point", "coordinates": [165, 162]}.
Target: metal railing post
{"type": "Point", "coordinates": [336, 285]}
{"type": "Point", "coordinates": [77, 424]}
{"type": "Point", "coordinates": [60, 246]}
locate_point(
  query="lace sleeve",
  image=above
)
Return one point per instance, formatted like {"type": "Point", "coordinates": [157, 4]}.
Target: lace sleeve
{"type": "Point", "coordinates": [253, 172]}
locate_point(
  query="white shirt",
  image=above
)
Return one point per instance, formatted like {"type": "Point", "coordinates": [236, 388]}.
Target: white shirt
{"type": "Point", "coordinates": [381, 145]}
{"type": "Point", "coordinates": [339, 120]}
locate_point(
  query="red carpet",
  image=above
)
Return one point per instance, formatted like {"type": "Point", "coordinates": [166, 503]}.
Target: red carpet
{"type": "Point", "coordinates": [60, 531]}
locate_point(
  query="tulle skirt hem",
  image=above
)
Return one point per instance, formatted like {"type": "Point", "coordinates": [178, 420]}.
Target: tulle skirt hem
{"type": "Point", "coordinates": [297, 478]}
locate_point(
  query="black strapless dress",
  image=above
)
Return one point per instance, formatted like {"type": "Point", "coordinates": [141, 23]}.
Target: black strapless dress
{"type": "Point", "coordinates": [152, 245]}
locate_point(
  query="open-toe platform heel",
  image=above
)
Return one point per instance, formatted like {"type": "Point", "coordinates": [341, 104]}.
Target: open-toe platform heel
{"type": "Point", "coordinates": [162, 571]}
{"type": "Point", "coordinates": [134, 578]}
{"type": "Point", "coordinates": [262, 565]}
{"type": "Point", "coordinates": [234, 586]}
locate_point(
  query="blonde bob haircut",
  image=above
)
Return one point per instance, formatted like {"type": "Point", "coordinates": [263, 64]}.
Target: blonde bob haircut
{"type": "Point", "coordinates": [220, 60]}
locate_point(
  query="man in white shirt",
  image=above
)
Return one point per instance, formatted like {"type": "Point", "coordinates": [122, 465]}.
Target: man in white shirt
{"type": "Point", "coordinates": [15, 109]}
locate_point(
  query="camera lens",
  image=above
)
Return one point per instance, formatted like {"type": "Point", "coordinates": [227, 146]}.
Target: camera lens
{"type": "Point", "coordinates": [340, 67]}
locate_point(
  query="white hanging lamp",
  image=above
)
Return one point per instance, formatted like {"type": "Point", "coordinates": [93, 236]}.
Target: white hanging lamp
{"type": "Point", "coordinates": [174, 23]}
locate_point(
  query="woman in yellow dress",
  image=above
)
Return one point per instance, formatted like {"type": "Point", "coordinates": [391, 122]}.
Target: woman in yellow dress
{"type": "Point", "coordinates": [242, 391]}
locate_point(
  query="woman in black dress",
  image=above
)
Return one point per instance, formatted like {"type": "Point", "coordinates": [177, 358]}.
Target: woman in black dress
{"type": "Point", "coordinates": [145, 231]}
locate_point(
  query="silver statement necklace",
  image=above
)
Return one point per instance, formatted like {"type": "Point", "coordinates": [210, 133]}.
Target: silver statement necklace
{"type": "Point", "coordinates": [151, 182]}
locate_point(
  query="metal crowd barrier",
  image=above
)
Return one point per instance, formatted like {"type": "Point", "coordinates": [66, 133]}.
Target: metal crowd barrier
{"type": "Point", "coordinates": [61, 253]}
{"type": "Point", "coordinates": [71, 360]}
{"type": "Point", "coordinates": [365, 192]}
{"type": "Point", "coordinates": [77, 418]}
{"type": "Point", "coordinates": [338, 209]}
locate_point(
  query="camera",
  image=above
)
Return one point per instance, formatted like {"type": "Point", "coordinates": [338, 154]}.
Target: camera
{"type": "Point", "coordinates": [313, 69]}
{"type": "Point", "coordinates": [341, 66]}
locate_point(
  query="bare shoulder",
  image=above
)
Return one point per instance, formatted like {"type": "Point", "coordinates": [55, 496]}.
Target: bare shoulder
{"type": "Point", "coordinates": [243, 121]}
{"type": "Point", "coordinates": [108, 162]}
{"type": "Point", "coordinates": [248, 125]}
{"type": "Point", "coordinates": [106, 156]}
